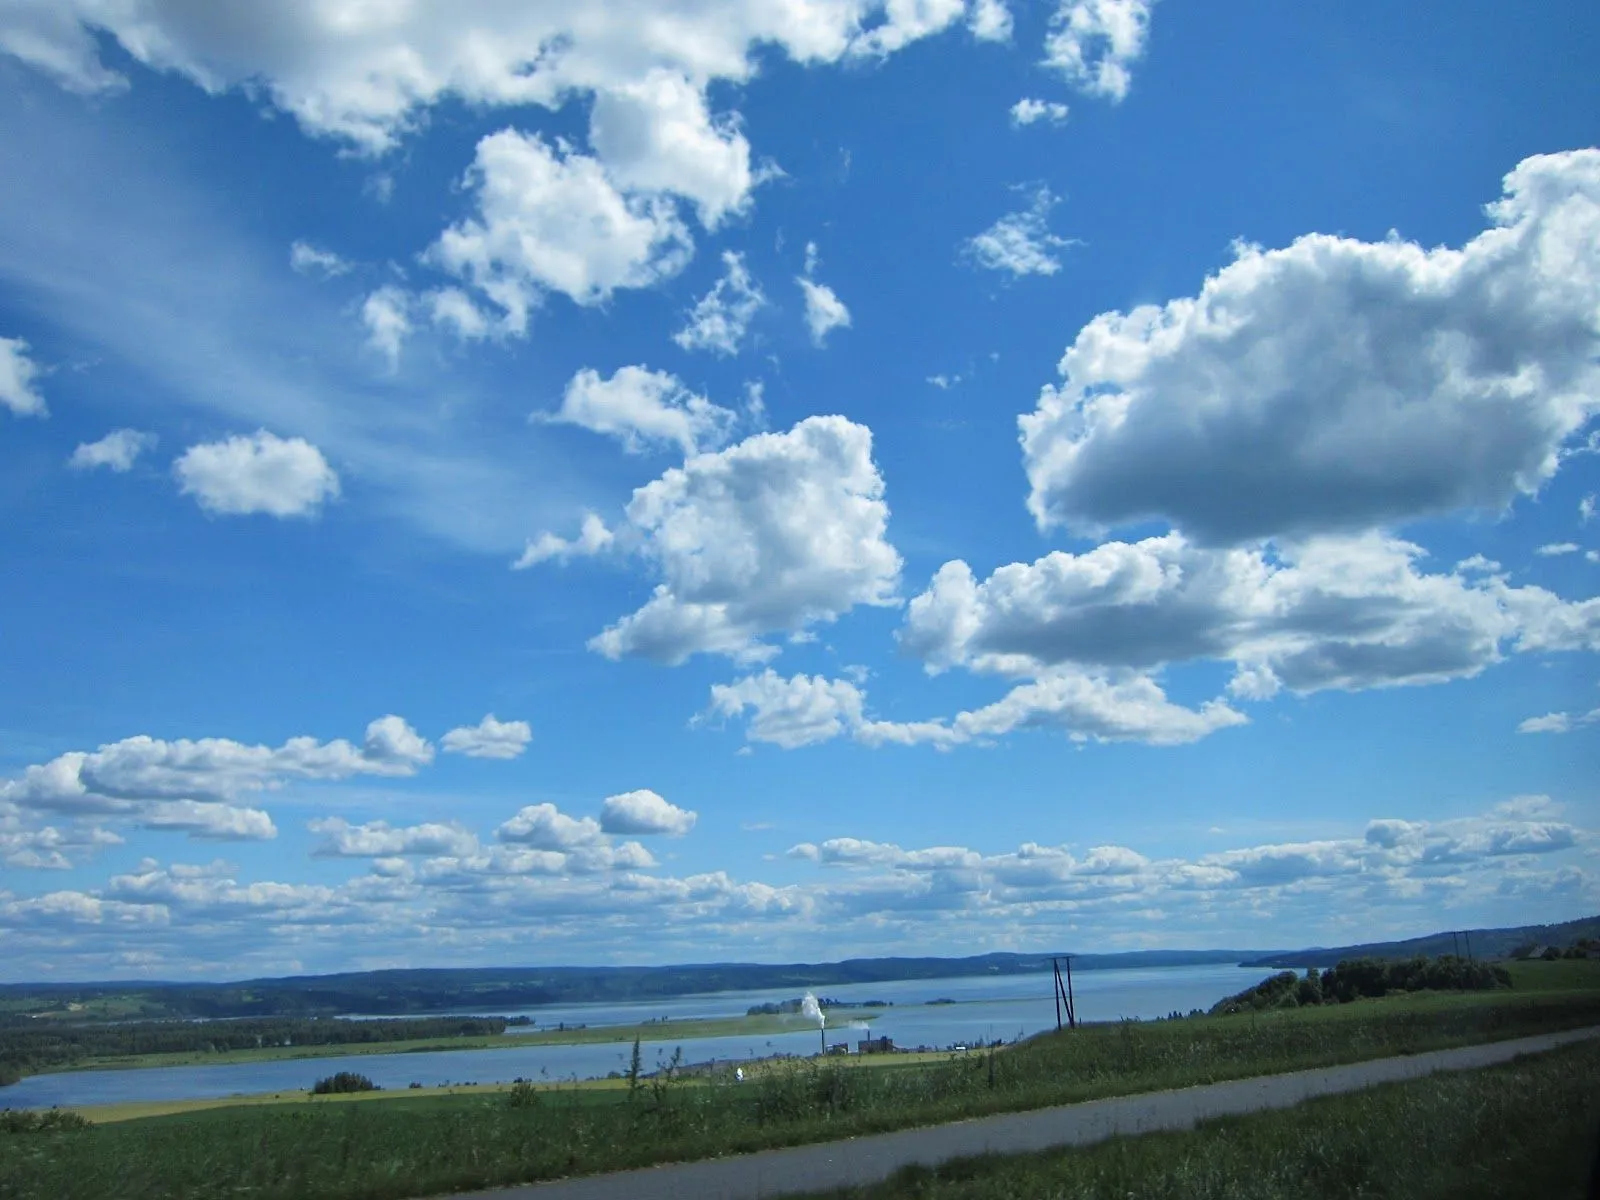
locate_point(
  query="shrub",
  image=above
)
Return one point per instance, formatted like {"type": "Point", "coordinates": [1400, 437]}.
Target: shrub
{"type": "Point", "coordinates": [344, 1081]}
{"type": "Point", "coordinates": [23, 1121]}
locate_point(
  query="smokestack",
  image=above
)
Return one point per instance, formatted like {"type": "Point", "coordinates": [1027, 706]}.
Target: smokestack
{"type": "Point", "coordinates": [810, 1008]}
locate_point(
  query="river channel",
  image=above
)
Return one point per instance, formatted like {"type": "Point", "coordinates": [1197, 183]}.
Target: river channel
{"type": "Point", "coordinates": [985, 1008]}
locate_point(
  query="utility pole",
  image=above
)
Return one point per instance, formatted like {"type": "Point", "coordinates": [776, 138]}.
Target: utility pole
{"type": "Point", "coordinates": [1455, 940]}
{"type": "Point", "coordinates": [1064, 994]}
{"type": "Point", "coordinates": [1055, 991]}
{"type": "Point", "coordinates": [1072, 1011]}
{"type": "Point", "coordinates": [1468, 936]}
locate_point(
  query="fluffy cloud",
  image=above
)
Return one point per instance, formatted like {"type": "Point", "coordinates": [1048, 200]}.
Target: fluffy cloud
{"type": "Point", "coordinates": [593, 538]}
{"type": "Point", "coordinates": [1093, 43]}
{"type": "Point", "coordinates": [135, 776]}
{"type": "Point", "coordinates": [804, 710]}
{"type": "Point", "coordinates": [387, 315]}
{"type": "Point", "coordinates": [17, 375]}
{"type": "Point", "coordinates": [1330, 613]}
{"type": "Point", "coordinates": [1021, 242]}
{"type": "Point", "coordinates": [1085, 706]}
{"type": "Point", "coordinates": [545, 827]}
{"type": "Point", "coordinates": [773, 534]}
{"type": "Point", "coordinates": [309, 260]}
{"type": "Point", "coordinates": [644, 410]}
{"type": "Point", "coordinates": [362, 74]}
{"type": "Point", "coordinates": [452, 309]}
{"type": "Point", "coordinates": [1028, 111]}
{"type": "Point", "coordinates": [262, 473]}
{"type": "Point", "coordinates": [655, 134]}
{"type": "Point", "coordinates": [825, 312]}
{"type": "Point", "coordinates": [793, 712]}
{"type": "Point", "coordinates": [990, 21]}
{"type": "Point", "coordinates": [1557, 549]}
{"type": "Point", "coordinates": [552, 220]}
{"type": "Point", "coordinates": [117, 451]}
{"type": "Point", "coordinates": [644, 812]}
{"type": "Point", "coordinates": [1337, 384]}
{"type": "Point", "coordinates": [378, 839]}
{"type": "Point", "coordinates": [866, 895]}
{"type": "Point", "coordinates": [720, 318]}
{"type": "Point", "coordinates": [489, 738]}
{"type": "Point", "coordinates": [1559, 722]}
{"type": "Point", "coordinates": [209, 820]}
{"type": "Point", "coordinates": [48, 847]}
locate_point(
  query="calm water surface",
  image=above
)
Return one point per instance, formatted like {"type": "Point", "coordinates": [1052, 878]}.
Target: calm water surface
{"type": "Point", "coordinates": [988, 1007]}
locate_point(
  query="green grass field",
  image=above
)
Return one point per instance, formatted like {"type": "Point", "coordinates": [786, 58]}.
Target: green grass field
{"type": "Point", "coordinates": [416, 1145]}
{"type": "Point", "coordinates": [1525, 1129]}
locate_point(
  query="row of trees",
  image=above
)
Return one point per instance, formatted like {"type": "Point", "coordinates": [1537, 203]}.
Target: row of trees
{"type": "Point", "coordinates": [1360, 978]}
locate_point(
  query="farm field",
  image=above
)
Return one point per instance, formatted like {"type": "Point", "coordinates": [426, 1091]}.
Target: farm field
{"type": "Point", "coordinates": [410, 1144]}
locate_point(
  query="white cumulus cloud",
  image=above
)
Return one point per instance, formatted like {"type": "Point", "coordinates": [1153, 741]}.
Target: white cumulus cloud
{"type": "Point", "coordinates": [593, 538]}
{"type": "Point", "coordinates": [1094, 44]}
{"type": "Point", "coordinates": [551, 220]}
{"type": "Point", "coordinates": [1020, 243]}
{"type": "Point", "coordinates": [1029, 111]}
{"type": "Point", "coordinates": [775, 533]}
{"type": "Point", "coordinates": [311, 260]}
{"type": "Point", "coordinates": [387, 315]}
{"type": "Point", "coordinates": [644, 812]}
{"type": "Point", "coordinates": [17, 375]}
{"type": "Point", "coordinates": [825, 312]}
{"type": "Point", "coordinates": [117, 451]}
{"type": "Point", "coordinates": [1344, 613]}
{"type": "Point", "coordinates": [489, 738]}
{"type": "Point", "coordinates": [720, 318]}
{"type": "Point", "coordinates": [644, 410]}
{"type": "Point", "coordinates": [545, 827]}
{"type": "Point", "coordinates": [261, 473]}
{"type": "Point", "coordinates": [1338, 384]}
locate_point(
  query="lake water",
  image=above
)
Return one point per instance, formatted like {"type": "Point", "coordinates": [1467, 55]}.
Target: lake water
{"type": "Point", "coordinates": [986, 1008]}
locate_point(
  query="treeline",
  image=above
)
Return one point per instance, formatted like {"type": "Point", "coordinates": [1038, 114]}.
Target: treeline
{"type": "Point", "coordinates": [26, 1049]}
{"type": "Point", "coordinates": [1582, 948]}
{"type": "Point", "coordinates": [1364, 978]}
{"type": "Point", "coordinates": [470, 989]}
{"type": "Point", "coordinates": [1481, 943]}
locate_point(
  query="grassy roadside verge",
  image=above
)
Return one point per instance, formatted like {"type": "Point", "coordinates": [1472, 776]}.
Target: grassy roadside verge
{"type": "Point", "coordinates": [1527, 1128]}
{"type": "Point", "coordinates": [411, 1146]}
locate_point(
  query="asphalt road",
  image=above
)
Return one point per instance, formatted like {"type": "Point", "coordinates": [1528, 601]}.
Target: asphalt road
{"type": "Point", "coordinates": [856, 1161]}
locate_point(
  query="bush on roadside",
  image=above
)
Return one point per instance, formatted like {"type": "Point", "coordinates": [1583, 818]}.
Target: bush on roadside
{"type": "Point", "coordinates": [344, 1081]}
{"type": "Point", "coordinates": [24, 1121]}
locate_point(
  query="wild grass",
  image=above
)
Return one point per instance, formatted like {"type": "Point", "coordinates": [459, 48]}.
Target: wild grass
{"type": "Point", "coordinates": [410, 1147]}
{"type": "Point", "coordinates": [1525, 1129]}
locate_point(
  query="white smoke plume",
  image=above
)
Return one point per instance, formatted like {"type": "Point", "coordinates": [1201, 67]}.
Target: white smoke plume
{"type": "Point", "coordinates": [811, 1010]}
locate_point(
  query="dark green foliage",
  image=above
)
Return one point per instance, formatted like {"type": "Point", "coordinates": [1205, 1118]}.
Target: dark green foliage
{"type": "Point", "coordinates": [1366, 978]}
{"type": "Point", "coordinates": [403, 1146]}
{"type": "Point", "coordinates": [23, 1121]}
{"type": "Point", "coordinates": [343, 1081]}
{"type": "Point", "coordinates": [1485, 943]}
{"type": "Point", "coordinates": [523, 1094]}
{"type": "Point", "coordinates": [26, 1049]}
{"type": "Point", "coordinates": [1521, 1130]}
{"type": "Point", "coordinates": [634, 1067]}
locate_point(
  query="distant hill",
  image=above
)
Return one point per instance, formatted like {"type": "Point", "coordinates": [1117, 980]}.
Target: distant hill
{"type": "Point", "coordinates": [397, 992]}
{"type": "Point", "coordinates": [1485, 943]}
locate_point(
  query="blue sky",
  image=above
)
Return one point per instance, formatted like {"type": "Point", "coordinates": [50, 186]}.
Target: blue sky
{"type": "Point", "coordinates": [564, 483]}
